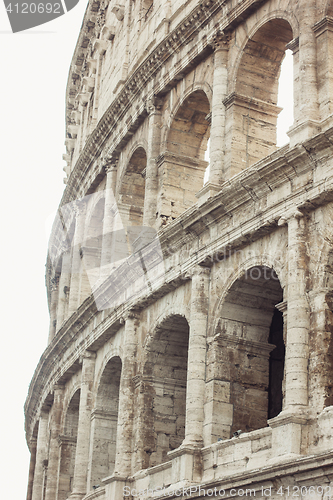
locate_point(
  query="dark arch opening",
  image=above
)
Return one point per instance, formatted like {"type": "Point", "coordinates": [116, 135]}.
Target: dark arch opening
{"type": "Point", "coordinates": [276, 365]}
{"type": "Point", "coordinates": [182, 166]}
{"type": "Point", "coordinates": [68, 448]}
{"type": "Point", "coordinates": [165, 376]}
{"type": "Point", "coordinates": [104, 420]}
{"type": "Point", "coordinates": [132, 190]}
{"type": "Point", "coordinates": [251, 351]}
{"type": "Point", "coordinates": [91, 250]}
{"type": "Point", "coordinates": [252, 108]}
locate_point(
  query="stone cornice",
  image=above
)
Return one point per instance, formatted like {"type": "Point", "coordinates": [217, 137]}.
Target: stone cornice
{"type": "Point", "coordinates": [128, 101]}
{"type": "Point", "coordinates": [244, 190]}
{"type": "Point", "coordinates": [172, 44]}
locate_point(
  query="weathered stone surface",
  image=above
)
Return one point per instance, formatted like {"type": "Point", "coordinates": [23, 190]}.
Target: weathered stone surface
{"type": "Point", "coordinates": [190, 337]}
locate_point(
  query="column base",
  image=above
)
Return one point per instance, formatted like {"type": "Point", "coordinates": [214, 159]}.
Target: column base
{"type": "Point", "coordinates": [303, 131]}
{"type": "Point", "coordinates": [208, 191]}
{"type": "Point", "coordinates": [116, 487]}
{"type": "Point", "coordinates": [288, 433]}
{"type": "Point", "coordinates": [186, 464]}
{"type": "Point", "coordinates": [76, 495]}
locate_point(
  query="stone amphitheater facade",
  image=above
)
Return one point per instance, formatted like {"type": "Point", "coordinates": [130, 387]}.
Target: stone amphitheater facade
{"type": "Point", "coordinates": [190, 348]}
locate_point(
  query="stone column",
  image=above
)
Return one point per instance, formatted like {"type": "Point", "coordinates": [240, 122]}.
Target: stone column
{"type": "Point", "coordinates": [83, 433]}
{"type": "Point", "coordinates": [54, 292]}
{"type": "Point", "coordinates": [297, 348]}
{"type": "Point", "coordinates": [126, 396]}
{"type": "Point", "coordinates": [307, 124]}
{"type": "Point", "coordinates": [154, 141]}
{"type": "Point", "coordinates": [53, 462]}
{"type": "Point", "coordinates": [220, 45]}
{"type": "Point", "coordinates": [32, 465]}
{"type": "Point", "coordinates": [196, 369]}
{"type": "Point", "coordinates": [41, 455]}
{"type": "Point", "coordinates": [74, 294]}
{"type": "Point", "coordinates": [287, 427]}
{"type": "Point", "coordinates": [324, 35]}
{"type": "Point", "coordinates": [64, 284]}
{"type": "Point", "coordinates": [109, 216]}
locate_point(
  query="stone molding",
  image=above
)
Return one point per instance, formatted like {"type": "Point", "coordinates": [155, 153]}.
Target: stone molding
{"type": "Point", "coordinates": [170, 45]}
{"type": "Point", "coordinates": [104, 414]}
{"type": "Point", "coordinates": [184, 161]}
{"type": "Point", "coordinates": [232, 196]}
{"type": "Point", "coordinates": [252, 104]}
{"type": "Point", "coordinates": [261, 349]}
{"type": "Point", "coordinates": [325, 24]}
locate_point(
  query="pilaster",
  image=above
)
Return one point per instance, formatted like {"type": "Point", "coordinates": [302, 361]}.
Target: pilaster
{"type": "Point", "coordinates": [53, 461]}
{"type": "Point", "coordinates": [288, 426]}
{"type": "Point", "coordinates": [220, 44]}
{"type": "Point", "coordinates": [196, 370]}
{"type": "Point", "coordinates": [153, 107]}
{"type": "Point", "coordinates": [41, 456]}
{"type": "Point", "coordinates": [126, 397]}
{"type": "Point", "coordinates": [111, 218]}
{"type": "Point", "coordinates": [74, 295]}
{"type": "Point", "coordinates": [83, 434]}
{"type": "Point", "coordinates": [54, 291]}
{"type": "Point", "coordinates": [307, 120]}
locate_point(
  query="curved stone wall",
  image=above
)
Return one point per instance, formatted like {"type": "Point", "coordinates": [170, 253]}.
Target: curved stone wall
{"type": "Point", "coordinates": [189, 269]}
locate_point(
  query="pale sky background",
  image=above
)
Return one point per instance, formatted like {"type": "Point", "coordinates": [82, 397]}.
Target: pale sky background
{"type": "Point", "coordinates": [34, 70]}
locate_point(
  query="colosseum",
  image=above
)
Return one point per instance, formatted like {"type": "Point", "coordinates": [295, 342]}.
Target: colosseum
{"type": "Point", "coordinates": [190, 266]}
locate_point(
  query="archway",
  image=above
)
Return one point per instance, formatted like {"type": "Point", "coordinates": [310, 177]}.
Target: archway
{"type": "Point", "coordinates": [91, 250]}
{"type": "Point", "coordinates": [104, 420]}
{"type": "Point", "coordinates": [68, 447]}
{"type": "Point", "coordinates": [252, 107]}
{"type": "Point", "coordinates": [165, 376]}
{"type": "Point", "coordinates": [250, 351]}
{"type": "Point", "coordinates": [182, 166]}
{"type": "Point", "coordinates": [132, 190]}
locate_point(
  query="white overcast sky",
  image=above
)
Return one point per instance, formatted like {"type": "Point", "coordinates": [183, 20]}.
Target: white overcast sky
{"type": "Point", "coordinates": [34, 69]}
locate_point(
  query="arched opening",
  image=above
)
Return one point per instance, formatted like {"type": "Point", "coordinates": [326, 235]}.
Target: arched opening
{"type": "Point", "coordinates": [165, 376]}
{"type": "Point", "coordinates": [249, 355]}
{"type": "Point", "coordinates": [252, 109]}
{"type": "Point", "coordinates": [91, 250]}
{"type": "Point", "coordinates": [67, 443]}
{"type": "Point", "coordinates": [182, 166]}
{"type": "Point", "coordinates": [104, 421]}
{"type": "Point", "coordinates": [132, 190]}
{"type": "Point", "coordinates": [285, 99]}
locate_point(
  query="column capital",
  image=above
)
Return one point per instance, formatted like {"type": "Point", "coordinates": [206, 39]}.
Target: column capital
{"type": "Point", "coordinates": [79, 207]}
{"type": "Point", "coordinates": [199, 271]}
{"type": "Point", "coordinates": [108, 163]}
{"type": "Point", "coordinates": [282, 307]}
{"type": "Point", "coordinates": [154, 105]}
{"type": "Point", "coordinates": [110, 167]}
{"type": "Point", "coordinates": [87, 355]}
{"type": "Point", "coordinates": [293, 45]}
{"type": "Point", "coordinates": [58, 387]}
{"type": "Point", "coordinates": [129, 315]}
{"type": "Point", "coordinates": [291, 214]}
{"type": "Point", "coordinates": [220, 40]}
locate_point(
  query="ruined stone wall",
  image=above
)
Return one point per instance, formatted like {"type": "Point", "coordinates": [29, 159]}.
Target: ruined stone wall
{"type": "Point", "coordinates": [189, 272]}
